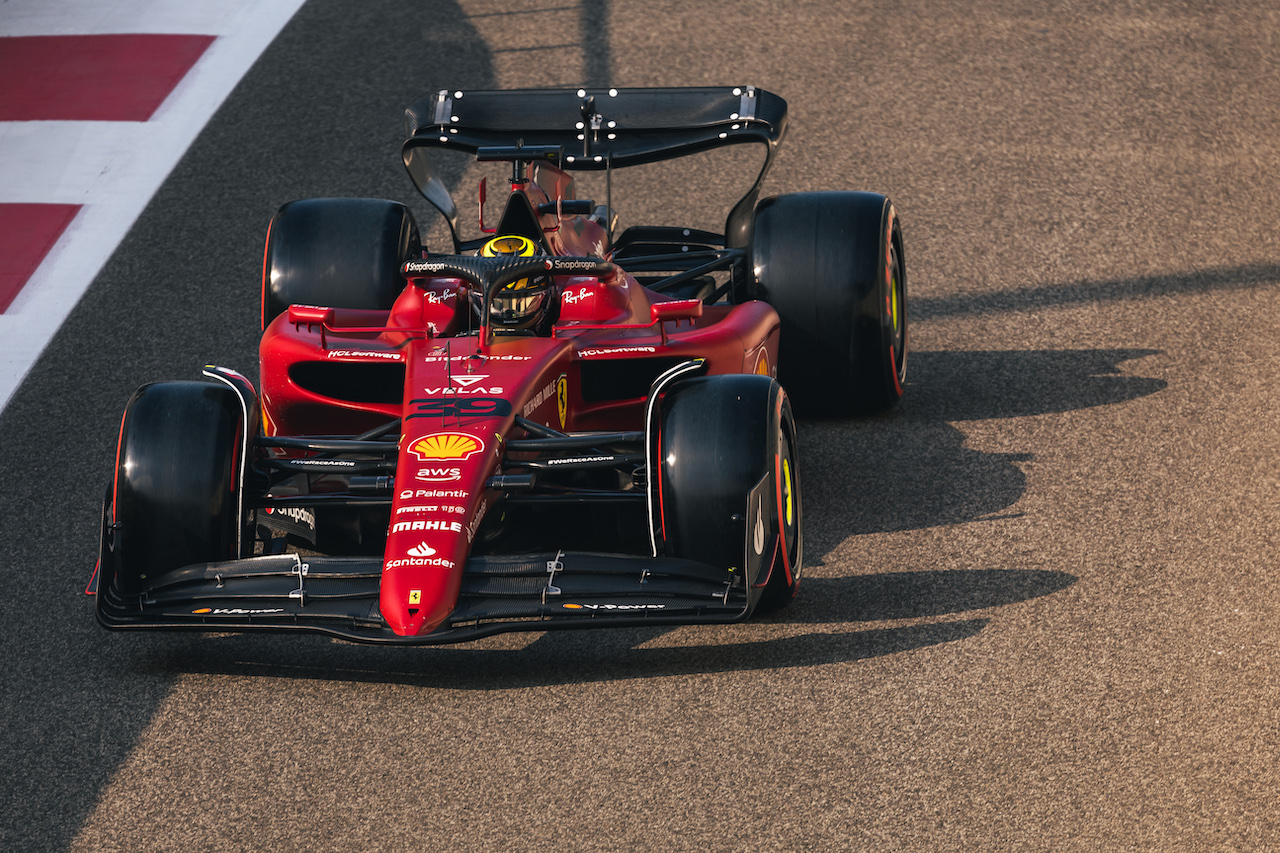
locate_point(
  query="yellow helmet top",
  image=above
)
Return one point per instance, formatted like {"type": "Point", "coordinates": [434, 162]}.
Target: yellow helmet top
{"type": "Point", "coordinates": [514, 246]}
{"type": "Point", "coordinates": [511, 308]}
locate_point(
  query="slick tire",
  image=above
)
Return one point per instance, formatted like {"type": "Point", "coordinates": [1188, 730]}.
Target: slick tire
{"type": "Point", "coordinates": [337, 253]}
{"type": "Point", "coordinates": [176, 495]}
{"type": "Point", "coordinates": [729, 486]}
{"type": "Point", "coordinates": [831, 264]}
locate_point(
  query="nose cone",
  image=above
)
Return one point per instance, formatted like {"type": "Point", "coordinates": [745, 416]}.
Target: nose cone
{"type": "Point", "coordinates": [420, 581]}
{"type": "Point", "coordinates": [404, 607]}
{"type": "Point", "coordinates": [408, 622]}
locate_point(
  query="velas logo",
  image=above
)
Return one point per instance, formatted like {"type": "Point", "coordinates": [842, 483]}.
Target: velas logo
{"type": "Point", "coordinates": [446, 446]}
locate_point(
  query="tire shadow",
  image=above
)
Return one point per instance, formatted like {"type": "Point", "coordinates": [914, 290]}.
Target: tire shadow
{"type": "Point", "coordinates": [909, 469]}
{"type": "Point", "coordinates": [563, 657]}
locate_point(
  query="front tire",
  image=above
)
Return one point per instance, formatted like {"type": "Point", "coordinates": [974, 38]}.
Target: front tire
{"type": "Point", "coordinates": [729, 490]}
{"type": "Point", "coordinates": [176, 496]}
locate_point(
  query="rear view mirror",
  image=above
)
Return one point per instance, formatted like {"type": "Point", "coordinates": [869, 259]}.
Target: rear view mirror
{"type": "Point", "coordinates": [676, 309]}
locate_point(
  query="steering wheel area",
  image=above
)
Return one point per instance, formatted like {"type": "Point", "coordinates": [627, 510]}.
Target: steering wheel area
{"type": "Point", "coordinates": [491, 275]}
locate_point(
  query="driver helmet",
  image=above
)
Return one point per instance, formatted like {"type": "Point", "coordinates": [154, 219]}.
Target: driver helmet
{"type": "Point", "coordinates": [520, 303]}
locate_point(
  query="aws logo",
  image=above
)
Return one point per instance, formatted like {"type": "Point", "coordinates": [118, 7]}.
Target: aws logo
{"type": "Point", "coordinates": [446, 446]}
{"type": "Point", "coordinates": [432, 474]}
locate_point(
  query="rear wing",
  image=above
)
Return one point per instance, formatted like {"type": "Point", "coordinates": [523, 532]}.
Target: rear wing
{"type": "Point", "coordinates": [578, 129]}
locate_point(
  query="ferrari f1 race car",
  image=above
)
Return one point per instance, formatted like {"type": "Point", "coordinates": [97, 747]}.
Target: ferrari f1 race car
{"type": "Point", "coordinates": [552, 425]}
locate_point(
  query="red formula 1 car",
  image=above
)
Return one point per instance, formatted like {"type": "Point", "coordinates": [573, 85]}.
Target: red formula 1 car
{"type": "Point", "coordinates": [551, 426]}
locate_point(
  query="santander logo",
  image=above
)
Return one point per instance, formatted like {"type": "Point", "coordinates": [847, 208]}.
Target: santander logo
{"type": "Point", "coordinates": [423, 550]}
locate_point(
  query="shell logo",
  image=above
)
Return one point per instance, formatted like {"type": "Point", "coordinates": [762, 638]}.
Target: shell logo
{"type": "Point", "coordinates": [446, 446]}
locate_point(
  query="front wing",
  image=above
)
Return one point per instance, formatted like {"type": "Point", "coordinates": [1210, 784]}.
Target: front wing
{"type": "Point", "coordinates": [526, 592]}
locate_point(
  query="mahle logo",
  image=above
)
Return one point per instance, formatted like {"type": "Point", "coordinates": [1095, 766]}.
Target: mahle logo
{"type": "Point", "coordinates": [446, 446]}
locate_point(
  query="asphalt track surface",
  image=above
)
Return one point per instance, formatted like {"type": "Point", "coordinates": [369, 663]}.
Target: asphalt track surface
{"type": "Point", "coordinates": [1041, 608]}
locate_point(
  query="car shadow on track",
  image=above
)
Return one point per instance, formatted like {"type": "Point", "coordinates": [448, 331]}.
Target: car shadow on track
{"type": "Point", "coordinates": [1086, 292]}
{"type": "Point", "coordinates": [909, 469]}
{"type": "Point", "coordinates": [968, 386]}
{"type": "Point", "coordinates": [608, 655]}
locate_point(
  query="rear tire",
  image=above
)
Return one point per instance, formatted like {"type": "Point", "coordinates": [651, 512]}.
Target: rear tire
{"type": "Point", "coordinates": [176, 499]}
{"type": "Point", "coordinates": [337, 253]}
{"type": "Point", "coordinates": [729, 489]}
{"type": "Point", "coordinates": [832, 266]}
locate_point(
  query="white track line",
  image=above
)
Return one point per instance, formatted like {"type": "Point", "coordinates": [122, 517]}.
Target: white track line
{"type": "Point", "coordinates": [112, 168]}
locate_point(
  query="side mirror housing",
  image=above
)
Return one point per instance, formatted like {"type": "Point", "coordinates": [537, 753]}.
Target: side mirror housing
{"type": "Point", "coordinates": [676, 309]}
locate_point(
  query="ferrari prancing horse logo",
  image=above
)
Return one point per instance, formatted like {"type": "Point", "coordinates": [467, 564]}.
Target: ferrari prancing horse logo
{"type": "Point", "coordinates": [562, 398]}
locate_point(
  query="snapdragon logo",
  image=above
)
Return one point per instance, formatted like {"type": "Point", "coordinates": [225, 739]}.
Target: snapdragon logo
{"type": "Point", "coordinates": [573, 266]}
{"type": "Point", "coordinates": [427, 267]}
{"type": "Point", "coordinates": [301, 516]}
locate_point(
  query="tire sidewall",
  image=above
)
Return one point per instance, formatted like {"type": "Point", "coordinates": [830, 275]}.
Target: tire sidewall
{"type": "Point", "coordinates": [175, 499]}
{"type": "Point", "coordinates": [823, 260]}
{"type": "Point", "coordinates": [336, 253]}
{"type": "Point", "coordinates": [723, 442]}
